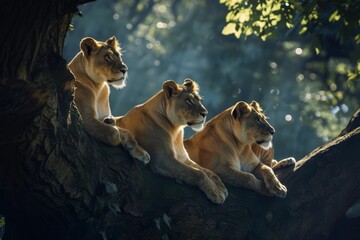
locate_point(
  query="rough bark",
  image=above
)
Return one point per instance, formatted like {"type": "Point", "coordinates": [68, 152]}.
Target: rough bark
{"type": "Point", "coordinates": [353, 123]}
{"type": "Point", "coordinates": [56, 182]}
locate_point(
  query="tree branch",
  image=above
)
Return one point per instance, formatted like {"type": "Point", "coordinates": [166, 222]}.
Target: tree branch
{"type": "Point", "coordinates": [62, 184]}
{"type": "Point", "coordinates": [353, 123]}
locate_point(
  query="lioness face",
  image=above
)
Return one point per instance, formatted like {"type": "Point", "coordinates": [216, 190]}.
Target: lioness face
{"type": "Point", "coordinates": [184, 104]}
{"type": "Point", "coordinates": [251, 126]}
{"type": "Point", "coordinates": [103, 61]}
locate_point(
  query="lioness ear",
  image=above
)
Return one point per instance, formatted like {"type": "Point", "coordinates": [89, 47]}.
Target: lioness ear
{"type": "Point", "coordinates": [170, 88]}
{"type": "Point", "coordinates": [190, 84]}
{"type": "Point", "coordinates": [241, 108]}
{"type": "Point", "coordinates": [256, 105]}
{"type": "Point", "coordinates": [87, 45]}
{"type": "Point", "coordinates": [112, 42]}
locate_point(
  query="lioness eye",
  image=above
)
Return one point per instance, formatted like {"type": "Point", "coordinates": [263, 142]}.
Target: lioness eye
{"type": "Point", "coordinates": [108, 58]}
{"type": "Point", "coordinates": [188, 101]}
{"type": "Point", "coordinates": [258, 120]}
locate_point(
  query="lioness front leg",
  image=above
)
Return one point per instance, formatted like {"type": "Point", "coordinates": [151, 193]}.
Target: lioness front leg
{"type": "Point", "coordinates": [244, 179]}
{"type": "Point", "coordinates": [272, 182]}
{"type": "Point", "coordinates": [191, 176]}
{"type": "Point", "coordinates": [213, 176]}
{"type": "Point", "coordinates": [104, 132]}
{"type": "Point", "coordinates": [127, 139]}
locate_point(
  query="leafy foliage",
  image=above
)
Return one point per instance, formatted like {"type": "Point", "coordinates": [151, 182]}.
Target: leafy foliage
{"type": "Point", "coordinates": [263, 18]}
{"type": "Point", "coordinates": [259, 18]}
{"type": "Point", "coordinates": [334, 22]}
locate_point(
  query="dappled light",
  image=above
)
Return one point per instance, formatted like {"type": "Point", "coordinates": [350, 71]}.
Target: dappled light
{"type": "Point", "coordinates": [298, 86]}
{"type": "Point", "coordinates": [93, 143]}
{"type": "Point", "coordinates": [298, 51]}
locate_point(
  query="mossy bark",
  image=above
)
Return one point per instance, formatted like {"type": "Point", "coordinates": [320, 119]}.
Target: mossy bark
{"type": "Point", "coordinates": [56, 182]}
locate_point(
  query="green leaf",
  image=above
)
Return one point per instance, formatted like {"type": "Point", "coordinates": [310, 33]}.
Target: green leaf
{"type": "Point", "coordinates": [265, 36]}
{"type": "Point", "coordinates": [303, 30]}
{"type": "Point", "coordinates": [352, 76]}
{"type": "Point", "coordinates": [335, 16]}
{"type": "Point", "coordinates": [2, 222]}
{"type": "Point", "coordinates": [229, 29]}
{"type": "Point", "coordinates": [289, 25]}
{"type": "Point", "coordinates": [71, 27]}
{"type": "Point", "coordinates": [238, 33]}
{"type": "Point", "coordinates": [357, 39]}
{"type": "Point", "coordinates": [248, 31]}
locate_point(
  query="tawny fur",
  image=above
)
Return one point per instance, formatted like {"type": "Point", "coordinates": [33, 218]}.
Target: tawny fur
{"type": "Point", "coordinates": [158, 126]}
{"type": "Point", "coordinates": [232, 145]}
{"type": "Point", "coordinates": [97, 65]}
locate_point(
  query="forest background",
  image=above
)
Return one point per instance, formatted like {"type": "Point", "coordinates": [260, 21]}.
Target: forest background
{"type": "Point", "coordinates": [307, 83]}
{"type": "Point", "coordinates": [299, 59]}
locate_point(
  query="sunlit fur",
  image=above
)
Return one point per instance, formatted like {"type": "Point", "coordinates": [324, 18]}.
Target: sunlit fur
{"type": "Point", "coordinates": [97, 65]}
{"type": "Point", "coordinates": [184, 107]}
{"type": "Point", "coordinates": [158, 126]}
{"type": "Point", "coordinates": [231, 145]}
{"type": "Point", "coordinates": [103, 61]}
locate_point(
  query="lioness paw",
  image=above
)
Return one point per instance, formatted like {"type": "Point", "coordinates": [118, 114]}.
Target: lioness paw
{"type": "Point", "coordinates": [224, 190]}
{"type": "Point", "coordinates": [278, 190]}
{"type": "Point", "coordinates": [284, 163]}
{"type": "Point", "coordinates": [140, 154]}
{"type": "Point", "coordinates": [275, 186]}
{"type": "Point", "coordinates": [216, 196]}
{"type": "Point", "coordinates": [220, 185]}
{"type": "Point", "coordinates": [217, 181]}
{"type": "Point", "coordinates": [288, 161]}
{"type": "Point", "coordinates": [212, 191]}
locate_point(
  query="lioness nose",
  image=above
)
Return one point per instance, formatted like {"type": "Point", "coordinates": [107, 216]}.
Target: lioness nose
{"type": "Point", "coordinates": [123, 68]}
{"type": "Point", "coordinates": [204, 113]}
{"type": "Point", "coordinates": [272, 131]}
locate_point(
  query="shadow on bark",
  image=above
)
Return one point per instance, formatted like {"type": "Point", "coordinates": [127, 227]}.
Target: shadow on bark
{"type": "Point", "coordinates": [58, 183]}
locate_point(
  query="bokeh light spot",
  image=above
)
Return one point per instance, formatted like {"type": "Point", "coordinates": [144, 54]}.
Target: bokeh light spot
{"type": "Point", "coordinates": [275, 91]}
{"type": "Point", "coordinates": [300, 77]}
{"type": "Point", "coordinates": [129, 26]}
{"type": "Point", "coordinates": [333, 87]}
{"type": "Point", "coordinates": [273, 65]}
{"type": "Point", "coordinates": [161, 25]}
{"type": "Point", "coordinates": [298, 51]}
{"type": "Point", "coordinates": [288, 117]}
{"type": "Point", "coordinates": [116, 16]}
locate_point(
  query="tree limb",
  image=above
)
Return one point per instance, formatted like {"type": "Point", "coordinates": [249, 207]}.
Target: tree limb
{"type": "Point", "coordinates": [62, 184]}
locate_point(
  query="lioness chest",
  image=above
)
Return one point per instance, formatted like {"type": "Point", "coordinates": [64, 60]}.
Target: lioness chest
{"type": "Point", "coordinates": [98, 95]}
{"type": "Point", "coordinates": [247, 160]}
{"type": "Point", "coordinates": [103, 105]}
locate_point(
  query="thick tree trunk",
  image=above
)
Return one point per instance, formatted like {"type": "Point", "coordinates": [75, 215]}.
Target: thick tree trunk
{"type": "Point", "coordinates": [58, 183]}
{"type": "Point", "coordinates": [52, 175]}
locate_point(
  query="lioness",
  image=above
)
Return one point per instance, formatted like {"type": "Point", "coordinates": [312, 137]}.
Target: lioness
{"type": "Point", "coordinates": [97, 65]}
{"type": "Point", "coordinates": [234, 144]}
{"type": "Point", "coordinates": [158, 125]}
